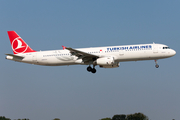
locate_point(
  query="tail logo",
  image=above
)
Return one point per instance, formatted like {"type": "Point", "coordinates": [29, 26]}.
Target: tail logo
{"type": "Point", "coordinates": [18, 45]}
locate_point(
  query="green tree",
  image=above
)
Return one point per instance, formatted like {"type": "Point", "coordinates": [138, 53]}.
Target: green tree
{"type": "Point", "coordinates": [136, 116]}
{"type": "Point", "coordinates": [4, 118]}
{"type": "Point", "coordinates": [106, 119]}
{"type": "Point", "coordinates": [119, 117]}
{"type": "Point", "coordinates": [56, 119]}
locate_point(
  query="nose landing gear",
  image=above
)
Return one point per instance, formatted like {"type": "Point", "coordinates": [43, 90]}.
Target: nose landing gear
{"type": "Point", "coordinates": [90, 69]}
{"type": "Point", "coordinates": [157, 66]}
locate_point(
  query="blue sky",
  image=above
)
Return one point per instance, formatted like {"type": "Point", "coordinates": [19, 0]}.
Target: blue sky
{"type": "Point", "coordinates": [70, 92]}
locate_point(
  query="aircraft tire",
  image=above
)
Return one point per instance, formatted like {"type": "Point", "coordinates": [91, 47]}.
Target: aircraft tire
{"type": "Point", "coordinates": [157, 66]}
{"type": "Point", "coordinates": [93, 70]}
{"type": "Point", "coordinates": [89, 69]}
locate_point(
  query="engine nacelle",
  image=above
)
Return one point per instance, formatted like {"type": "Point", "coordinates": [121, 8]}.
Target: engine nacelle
{"type": "Point", "coordinates": [115, 65]}
{"type": "Point", "coordinates": [104, 61]}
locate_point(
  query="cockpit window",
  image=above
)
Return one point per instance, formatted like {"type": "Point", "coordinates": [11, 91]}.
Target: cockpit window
{"type": "Point", "coordinates": [166, 47]}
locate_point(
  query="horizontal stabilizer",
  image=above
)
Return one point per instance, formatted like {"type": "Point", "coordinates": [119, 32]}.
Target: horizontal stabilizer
{"type": "Point", "coordinates": [14, 56]}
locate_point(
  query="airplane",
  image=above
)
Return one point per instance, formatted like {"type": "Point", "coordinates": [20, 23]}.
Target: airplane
{"type": "Point", "coordinates": [104, 57]}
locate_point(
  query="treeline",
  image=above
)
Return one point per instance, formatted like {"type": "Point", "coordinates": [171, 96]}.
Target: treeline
{"type": "Point", "coordinates": [4, 118]}
{"type": "Point", "coordinates": [135, 116]}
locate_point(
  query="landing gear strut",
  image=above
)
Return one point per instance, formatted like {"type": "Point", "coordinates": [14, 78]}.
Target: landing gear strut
{"type": "Point", "coordinates": [90, 69]}
{"type": "Point", "coordinates": [157, 66]}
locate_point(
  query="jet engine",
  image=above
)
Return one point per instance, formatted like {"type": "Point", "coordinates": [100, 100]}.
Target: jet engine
{"type": "Point", "coordinates": [109, 66]}
{"type": "Point", "coordinates": [115, 65]}
{"type": "Point", "coordinates": [104, 61]}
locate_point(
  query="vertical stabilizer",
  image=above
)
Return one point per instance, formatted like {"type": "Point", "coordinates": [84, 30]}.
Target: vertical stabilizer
{"type": "Point", "coordinates": [18, 44]}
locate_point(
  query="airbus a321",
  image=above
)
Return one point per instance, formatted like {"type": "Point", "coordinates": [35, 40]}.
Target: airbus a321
{"type": "Point", "coordinates": [104, 57]}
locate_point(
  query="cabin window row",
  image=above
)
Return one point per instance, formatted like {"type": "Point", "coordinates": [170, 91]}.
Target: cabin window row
{"type": "Point", "coordinates": [55, 55]}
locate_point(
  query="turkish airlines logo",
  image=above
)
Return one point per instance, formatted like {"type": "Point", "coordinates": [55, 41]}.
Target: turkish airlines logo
{"type": "Point", "coordinates": [18, 45]}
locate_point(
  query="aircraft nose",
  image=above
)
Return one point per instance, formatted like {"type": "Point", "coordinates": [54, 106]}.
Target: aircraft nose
{"type": "Point", "coordinates": [173, 52]}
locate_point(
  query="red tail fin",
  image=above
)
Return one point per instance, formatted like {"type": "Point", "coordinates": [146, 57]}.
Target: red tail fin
{"type": "Point", "coordinates": [17, 43]}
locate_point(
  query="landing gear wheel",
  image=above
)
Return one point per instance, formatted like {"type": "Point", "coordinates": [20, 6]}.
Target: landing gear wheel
{"type": "Point", "coordinates": [157, 66]}
{"type": "Point", "coordinates": [93, 70]}
{"type": "Point", "coordinates": [89, 69]}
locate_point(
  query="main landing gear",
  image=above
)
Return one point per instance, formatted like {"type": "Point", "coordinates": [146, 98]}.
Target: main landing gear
{"type": "Point", "coordinates": [90, 69]}
{"type": "Point", "coordinates": [157, 66]}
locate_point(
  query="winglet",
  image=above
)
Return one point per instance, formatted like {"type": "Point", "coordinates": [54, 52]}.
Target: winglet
{"type": "Point", "coordinates": [63, 47]}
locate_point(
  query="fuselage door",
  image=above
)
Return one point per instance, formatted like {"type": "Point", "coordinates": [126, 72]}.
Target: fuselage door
{"type": "Point", "coordinates": [34, 58]}
{"type": "Point", "coordinates": [155, 48]}
{"type": "Point", "coordinates": [121, 52]}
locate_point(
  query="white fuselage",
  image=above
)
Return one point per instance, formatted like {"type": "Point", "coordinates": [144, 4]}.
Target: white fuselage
{"type": "Point", "coordinates": [119, 53]}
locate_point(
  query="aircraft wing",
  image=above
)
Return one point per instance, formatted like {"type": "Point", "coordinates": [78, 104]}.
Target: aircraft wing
{"type": "Point", "coordinates": [82, 55]}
